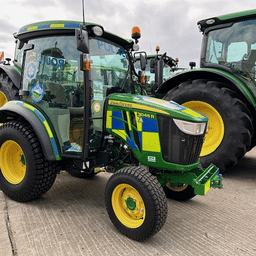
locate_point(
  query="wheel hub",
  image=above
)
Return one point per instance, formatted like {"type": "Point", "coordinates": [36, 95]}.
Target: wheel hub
{"type": "Point", "coordinates": [131, 203]}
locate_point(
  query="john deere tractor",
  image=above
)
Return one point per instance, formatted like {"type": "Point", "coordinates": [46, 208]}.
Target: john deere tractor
{"type": "Point", "coordinates": [157, 69]}
{"type": "Point", "coordinates": [223, 88]}
{"type": "Point", "coordinates": [70, 103]}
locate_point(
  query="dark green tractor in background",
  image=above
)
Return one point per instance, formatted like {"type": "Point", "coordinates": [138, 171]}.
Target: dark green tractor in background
{"type": "Point", "coordinates": [70, 103]}
{"type": "Point", "coordinates": [223, 88]}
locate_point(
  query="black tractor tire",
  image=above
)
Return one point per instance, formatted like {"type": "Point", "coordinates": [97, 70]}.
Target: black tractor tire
{"type": "Point", "coordinates": [8, 91]}
{"type": "Point", "coordinates": [136, 203]}
{"type": "Point", "coordinates": [230, 127]}
{"type": "Point", "coordinates": [25, 174]}
{"type": "Point", "coordinates": [81, 174]}
{"type": "Point", "coordinates": [180, 193]}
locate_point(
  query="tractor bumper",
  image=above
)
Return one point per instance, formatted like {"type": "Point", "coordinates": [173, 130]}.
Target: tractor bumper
{"type": "Point", "coordinates": [201, 180]}
{"type": "Point", "coordinates": [209, 178]}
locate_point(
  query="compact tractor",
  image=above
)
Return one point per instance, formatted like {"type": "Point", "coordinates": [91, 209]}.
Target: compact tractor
{"type": "Point", "coordinates": [70, 103]}
{"type": "Point", "coordinates": [223, 88]}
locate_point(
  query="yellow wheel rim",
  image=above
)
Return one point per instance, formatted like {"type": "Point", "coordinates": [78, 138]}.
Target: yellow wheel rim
{"type": "Point", "coordinates": [215, 133]}
{"type": "Point", "coordinates": [3, 99]}
{"type": "Point", "coordinates": [128, 206]}
{"type": "Point", "coordinates": [178, 188]}
{"type": "Point", "coordinates": [12, 162]}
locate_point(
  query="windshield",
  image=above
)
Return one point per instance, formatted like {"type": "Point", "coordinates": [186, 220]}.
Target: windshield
{"type": "Point", "coordinates": [234, 47]}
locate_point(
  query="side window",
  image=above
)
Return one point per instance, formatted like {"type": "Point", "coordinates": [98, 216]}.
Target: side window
{"type": "Point", "coordinates": [214, 51]}
{"type": "Point", "coordinates": [52, 70]}
{"type": "Point", "coordinates": [236, 51]}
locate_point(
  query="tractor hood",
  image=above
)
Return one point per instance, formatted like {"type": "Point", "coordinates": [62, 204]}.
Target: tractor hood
{"type": "Point", "coordinates": [159, 106]}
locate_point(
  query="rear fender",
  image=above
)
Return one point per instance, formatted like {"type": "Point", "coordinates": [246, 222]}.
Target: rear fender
{"type": "Point", "coordinates": [229, 80]}
{"type": "Point", "coordinates": [12, 73]}
{"type": "Point", "coordinates": [39, 123]}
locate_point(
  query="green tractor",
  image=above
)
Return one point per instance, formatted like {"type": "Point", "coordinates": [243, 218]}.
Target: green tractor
{"type": "Point", "coordinates": [158, 69]}
{"type": "Point", "coordinates": [223, 88]}
{"type": "Point", "coordinates": [70, 103]}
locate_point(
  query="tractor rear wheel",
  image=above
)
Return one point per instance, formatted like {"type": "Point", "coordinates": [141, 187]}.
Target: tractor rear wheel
{"type": "Point", "coordinates": [230, 127]}
{"type": "Point", "coordinates": [81, 174]}
{"type": "Point", "coordinates": [8, 91]}
{"type": "Point", "coordinates": [24, 172]}
{"type": "Point", "coordinates": [136, 203]}
{"type": "Point", "coordinates": [182, 192]}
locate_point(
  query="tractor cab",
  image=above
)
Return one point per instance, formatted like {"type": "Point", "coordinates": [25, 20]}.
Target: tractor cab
{"type": "Point", "coordinates": [53, 81]}
{"type": "Point", "coordinates": [230, 45]}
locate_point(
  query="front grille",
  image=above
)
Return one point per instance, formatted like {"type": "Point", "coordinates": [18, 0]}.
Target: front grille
{"type": "Point", "coordinates": [178, 147]}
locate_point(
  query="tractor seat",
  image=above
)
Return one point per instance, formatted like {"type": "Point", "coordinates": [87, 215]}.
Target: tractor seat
{"type": "Point", "coordinates": [56, 90]}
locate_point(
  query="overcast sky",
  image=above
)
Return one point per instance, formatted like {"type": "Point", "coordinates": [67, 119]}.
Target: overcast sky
{"type": "Point", "coordinates": [171, 24]}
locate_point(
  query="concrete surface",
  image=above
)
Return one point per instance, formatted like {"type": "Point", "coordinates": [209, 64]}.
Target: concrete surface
{"type": "Point", "coordinates": [71, 219]}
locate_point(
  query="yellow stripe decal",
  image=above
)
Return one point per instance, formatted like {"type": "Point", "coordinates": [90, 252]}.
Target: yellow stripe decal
{"type": "Point", "coordinates": [32, 28]}
{"type": "Point", "coordinates": [29, 106]}
{"type": "Point", "coordinates": [109, 119]}
{"type": "Point", "coordinates": [57, 25]}
{"type": "Point", "coordinates": [48, 129]}
{"type": "Point", "coordinates": [150, 142]}
{"type": "Point", "coordinates": [129, 120]}
{"type": "Point", "coordinates": [192, 113]}
{"type": "Point", "coordinates": [121, 133]}
{"type": "Point", "coordinates": [136, 106]}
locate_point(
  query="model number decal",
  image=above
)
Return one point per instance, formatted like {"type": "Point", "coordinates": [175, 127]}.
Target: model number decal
{"type": "Point", "coordinates": [146, 115]}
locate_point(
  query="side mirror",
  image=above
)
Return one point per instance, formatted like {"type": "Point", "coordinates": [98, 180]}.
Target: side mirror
{"type": "Point", "coordinates": [152, 65]}
{"type": "Point", "coordinates": [20, 44]}
{"type": "Point", "coordinates": [82, 40]}
{"type": "Point", "coordinates": [28, 47]}
{"type": "Point", "coordinates": [143, 62]}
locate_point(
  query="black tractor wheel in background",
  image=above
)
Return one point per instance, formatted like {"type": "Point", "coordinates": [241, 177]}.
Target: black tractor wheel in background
{"type": "Point", "coordinates": [81, 174]}
{"type": "Point", "coordinates": [230, 127]}
{"type": "Point", "coordinates": [8, 91]}
{"type": "Point", "coordinates": [136, 203]}
{"type": "Point", "coordinates": [182, 192]}
{"type": "Point", "coordinates": [25, 174]}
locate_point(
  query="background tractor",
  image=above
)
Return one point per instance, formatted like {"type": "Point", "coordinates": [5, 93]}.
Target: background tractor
{"type": "Point", "coordinates": [223, 88]}
{"type": "Point", "coordinates": [158, 68]}
{"type": "Point", "coordinates": [70, 103]}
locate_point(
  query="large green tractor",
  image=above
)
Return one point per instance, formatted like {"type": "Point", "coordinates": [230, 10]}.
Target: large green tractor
{"type": "Point", "coordinates": [69, 103]}
{"type": "Point", "coordinates": [223, 88]}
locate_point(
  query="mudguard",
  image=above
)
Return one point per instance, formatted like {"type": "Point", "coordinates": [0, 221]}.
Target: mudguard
{"type": "Point", "coordinates": [232, 82]}
{"type": "Point", "coordinates": [39, 123]}
{"type": "Point", "coordinates": [12, 73]}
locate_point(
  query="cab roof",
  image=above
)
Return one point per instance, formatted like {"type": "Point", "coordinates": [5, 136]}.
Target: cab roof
{"type": "Point", "coordinates": [224, 19]}
{"type": "Point", "coordinates": [57, 27]}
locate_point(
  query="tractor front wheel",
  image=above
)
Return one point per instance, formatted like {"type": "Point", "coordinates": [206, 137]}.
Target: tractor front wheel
{"type": "Point", "coordinates": [24, 172]}
{"type": "Point", "coordinates": [229, 128]}
{"type": "Point", "coordinates": [136, 203]}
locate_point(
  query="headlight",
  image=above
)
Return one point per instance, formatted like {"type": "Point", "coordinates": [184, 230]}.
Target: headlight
{"type": "Point", "coordinates": [190, 127]}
